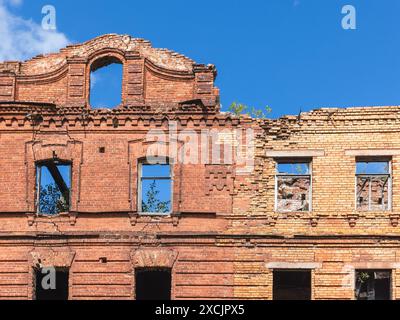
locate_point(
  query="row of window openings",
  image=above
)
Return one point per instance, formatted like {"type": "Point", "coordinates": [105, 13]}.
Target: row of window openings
{"type": "Point", "coordinates": [293, 187]}
{"type": "Point", "coordinates": [150, 284]}
{"type": "Point", "coordinates": [155, 284]}
{"type": "Point", "coordinates": [296, 285]}
{"type": "Point", "coordinates": [53, 187]}
{"type": "Point", "coordinates": [373, 183]}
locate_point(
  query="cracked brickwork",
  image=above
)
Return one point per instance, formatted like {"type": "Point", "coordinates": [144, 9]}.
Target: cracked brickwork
{"type": "Point", "coordinates": [224, 238]}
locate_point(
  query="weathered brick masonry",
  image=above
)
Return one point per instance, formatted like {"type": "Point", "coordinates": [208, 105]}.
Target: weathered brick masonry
{"type": "Point", "coordinates": [224, 238]}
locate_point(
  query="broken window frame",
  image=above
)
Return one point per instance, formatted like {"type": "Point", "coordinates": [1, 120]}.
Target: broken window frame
{"type": "Point", "coordinates": [278, 175]}
{"type": "Point", "coordinates": [38, 171]}
{"type": "Point", "coordinates": [371, 176]}
{"type": "Point", "coordinates": [358, 271]}
{"type": "Point", "coordinates": [154, 161]}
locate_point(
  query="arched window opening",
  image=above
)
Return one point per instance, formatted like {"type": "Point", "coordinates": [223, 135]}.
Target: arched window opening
{"type": "Point", "coordinates": [106, 83]}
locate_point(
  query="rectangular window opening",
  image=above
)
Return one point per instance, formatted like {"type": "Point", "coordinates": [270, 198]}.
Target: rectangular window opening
{"type": "Point", "coordinates": [373, 284]}
{"type": "Point", "coordinates": [153, 284]}
{"type": "Point", "coordinates": [155, 188]}
{"type": "Point", "coordinates": [51, 284]}
{"type": "Point", "coordinates": [373, 185]}
{"type": "Point", "coordinates": [292, 285]}
{"type": "Point", "coordinates": [293, 186]}
{"type": "Point", "coordinates": [53, 187]}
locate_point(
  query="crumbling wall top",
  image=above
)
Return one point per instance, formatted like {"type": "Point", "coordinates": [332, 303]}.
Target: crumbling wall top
{"type": "Point", "coordinates": [41, 64]}
{"type": "Point", "coordinates": [150, 75]}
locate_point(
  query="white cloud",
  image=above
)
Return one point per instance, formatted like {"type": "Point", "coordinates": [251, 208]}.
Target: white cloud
{"type": "Point", "coordinates": [94, 79]}
{"type": "Point", "coordinates": [14, 2]}
{"type": "Point", "coordinates": [22, 39]}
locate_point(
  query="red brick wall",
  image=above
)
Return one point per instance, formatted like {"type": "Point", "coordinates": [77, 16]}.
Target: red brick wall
{"type": "Point", "coordinates": [224, 238]}
{"type": "Point", "coordinates": [155, 76]}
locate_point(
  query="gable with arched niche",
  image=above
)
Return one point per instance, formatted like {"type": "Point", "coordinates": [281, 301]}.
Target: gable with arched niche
{"type": "Point", "coordinates": [150, 76]}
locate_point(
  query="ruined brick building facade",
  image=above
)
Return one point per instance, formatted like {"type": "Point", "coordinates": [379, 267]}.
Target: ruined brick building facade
{"type": "Point", "coordinates": [312, 212]}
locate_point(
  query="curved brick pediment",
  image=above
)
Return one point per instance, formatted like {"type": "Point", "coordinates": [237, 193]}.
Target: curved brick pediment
{"type": "Point", "coordinates": [150, 75]}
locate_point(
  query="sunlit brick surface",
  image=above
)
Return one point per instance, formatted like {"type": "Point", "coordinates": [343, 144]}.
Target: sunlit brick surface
{"type": "Point", "coordinates": [224, 238]}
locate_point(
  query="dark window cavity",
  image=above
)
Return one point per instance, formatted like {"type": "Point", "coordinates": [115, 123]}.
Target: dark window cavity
{"type": "Point", "coordinates": [153, 284]}
{"type": "Point", "coordinates": [51, 284]}
{"type": "Point", "coordinates": [373, 285]}
{"type": "Point", "coordinates": [292, 285]}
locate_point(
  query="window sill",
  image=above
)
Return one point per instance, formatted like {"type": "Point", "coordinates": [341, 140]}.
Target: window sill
{"type": "Point", "coordinates": [33, 217]}
{"type": "Point", "coordinates": [373, 211]}
{"type": "Point", "coordinates": [138, 217]}
{"type": "Point", "coordinates": [155, 214]}
{"type": "Point", "coordinates": [293, 212]}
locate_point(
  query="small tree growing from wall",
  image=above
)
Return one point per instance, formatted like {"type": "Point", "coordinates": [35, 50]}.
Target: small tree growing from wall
{"type": "Point", "coordinates": [51, 200]}
{"type": "Point", "coordinates": [242, 109]}
{"type": "Point", "coordinates": [153, 203]}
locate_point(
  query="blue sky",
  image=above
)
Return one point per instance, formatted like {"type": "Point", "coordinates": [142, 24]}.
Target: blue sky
{"type": "Point", "coordinates": [288, 54]}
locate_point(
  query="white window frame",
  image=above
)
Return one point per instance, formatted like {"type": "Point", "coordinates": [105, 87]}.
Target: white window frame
{"type": "Point", "coordinates": [278, 175]}
{"type": "Point", "coordinates": [140, 178]}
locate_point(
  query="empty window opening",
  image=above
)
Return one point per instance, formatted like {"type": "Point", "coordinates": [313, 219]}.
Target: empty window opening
{"type": "Point", "coordinates": [293, 187]}
{"type": "Point", "coordinates": [51, 284]}
{"type": "Point", "coordinates": [373, 185]}
{"type": "Point", "coordinates": [106, 83]}
{"type": "Point", "coordinates": [292, 285]}
{"type": "Point", "coordinates": [153, 284]}
{"type": "Point", "coordinates": [53, 187]}
{"type": "Point", "coordinates": [373, 285]}
{"type": "Point", "coordinates": [155, 188]}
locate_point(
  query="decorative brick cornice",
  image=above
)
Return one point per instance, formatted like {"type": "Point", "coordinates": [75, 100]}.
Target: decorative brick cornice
{"type": "Point", "coordinates": [220, 178]}
{"type": "Point", "coordinates": [23, 115]}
